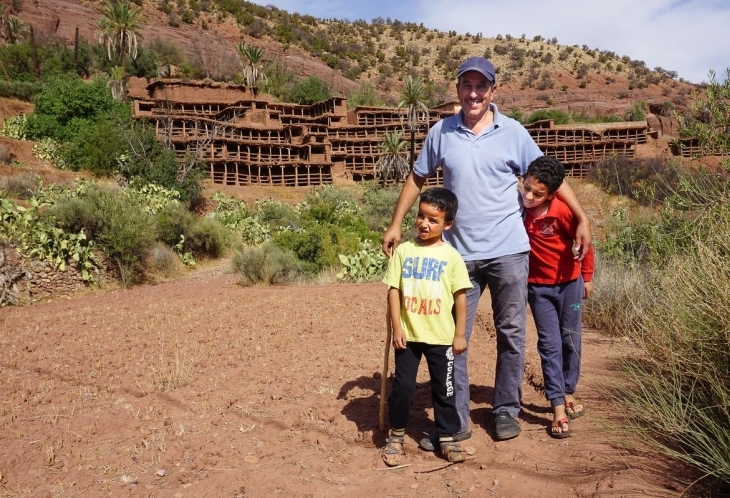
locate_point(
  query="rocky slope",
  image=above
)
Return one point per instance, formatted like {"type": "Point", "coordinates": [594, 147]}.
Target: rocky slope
{"type": "Point", "coordinates": [586, 81]}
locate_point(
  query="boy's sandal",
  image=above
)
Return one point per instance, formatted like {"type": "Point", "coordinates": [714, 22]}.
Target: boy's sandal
{"type": "Point", "coordinates": [574, 409]}
{"type": "Point", "coordinates": [392, 455]}
{"type": "Point", "coordinates": [558, 430]}
{"type": "Point", "coordinates": [453, 452]}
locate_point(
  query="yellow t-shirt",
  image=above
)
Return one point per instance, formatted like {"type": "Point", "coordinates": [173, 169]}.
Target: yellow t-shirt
{"type": "Point", "coordinates": [427, 277]}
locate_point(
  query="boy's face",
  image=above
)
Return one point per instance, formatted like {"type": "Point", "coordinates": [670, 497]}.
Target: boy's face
{"type": "Point", "coordinates": [534, 193]}
{"type": "Point", "coordinates": [430, 224]}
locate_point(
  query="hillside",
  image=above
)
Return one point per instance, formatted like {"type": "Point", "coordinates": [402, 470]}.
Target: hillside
{"type": "Point", "coordinates": [532, 73]}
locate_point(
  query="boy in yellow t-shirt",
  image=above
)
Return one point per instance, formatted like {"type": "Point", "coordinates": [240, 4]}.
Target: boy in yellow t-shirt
{"type": "Point", "coordinates": [427, 280]}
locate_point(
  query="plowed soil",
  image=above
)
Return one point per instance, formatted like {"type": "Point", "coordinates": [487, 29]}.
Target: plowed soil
{"type": "Point", "coordinates": [203, 388]}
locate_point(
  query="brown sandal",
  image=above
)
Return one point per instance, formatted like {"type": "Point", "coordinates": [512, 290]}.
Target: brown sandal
{"type": "Point", "coordinates": [390, 454]}
{"type": "Point", "coordinates": [453, 452]}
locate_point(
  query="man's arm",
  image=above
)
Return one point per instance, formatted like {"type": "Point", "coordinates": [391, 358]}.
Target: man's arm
{"type": "Point", "coordinates": [583, 236]}
{"type": "Point", "coordinates": [408, 195]}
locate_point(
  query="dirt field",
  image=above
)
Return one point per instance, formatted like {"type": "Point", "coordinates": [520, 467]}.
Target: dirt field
{"type": "Point", "coordinates": [204, 388]}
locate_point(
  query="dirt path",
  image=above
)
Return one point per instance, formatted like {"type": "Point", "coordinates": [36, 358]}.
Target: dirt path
{"type": "Point", "coordinates": [203, 388]}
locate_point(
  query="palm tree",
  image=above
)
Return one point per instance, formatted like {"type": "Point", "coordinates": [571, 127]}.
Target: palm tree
{"type": "Point", "coordinates": [252, 60]}
{"type": "Point", "coordinates": [413, 96]}
{"type": "Point", "coordinates": [116, 82]}
{"type": "Point", "coordinates": [118, 29]}
{"type": "Point", "coordinates": [392, 165]}
{"type": "Point", "coordinates": [16, 29]}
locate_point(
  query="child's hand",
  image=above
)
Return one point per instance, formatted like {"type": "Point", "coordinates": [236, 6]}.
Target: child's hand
{"type": "Point", "coordinates": [459, 345]}
{"type": "Point", "coordinates": [588, 289]}
{"type": "Point", "coordinates": [399, 339]}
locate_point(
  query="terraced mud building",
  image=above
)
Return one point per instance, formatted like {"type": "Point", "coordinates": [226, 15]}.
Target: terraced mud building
{"type": "Point", "coordinates": [247, 139]}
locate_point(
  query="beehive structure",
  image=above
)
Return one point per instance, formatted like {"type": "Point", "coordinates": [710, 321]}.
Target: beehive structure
{"type": "Point", "coordinates": [247, 139]}
{"type": "Point", "coordinates": [578, 146]}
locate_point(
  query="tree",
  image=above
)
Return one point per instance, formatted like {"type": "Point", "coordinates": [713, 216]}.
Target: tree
{"type": "Point", "coordinates": [119, 26]}
{"type": "Point", "coordinates": [252, 59]}
{"type": "Point", "coordinates": [309, 91]}
{"type": "Point", "coordinates": [709, 117]}
{"type": "Point", "coordinates": [16, 29]}
{"type": "Point", "coordinates": [116, 82]}
{"type": "Point", "coordinates": [392, 165]}
{"type": "Point", "coordinates": [413, 97]}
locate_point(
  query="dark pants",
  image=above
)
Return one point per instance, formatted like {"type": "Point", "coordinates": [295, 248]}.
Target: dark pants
{"type": "Point", "coordinates": [440, 361]}
{"type": "Point", "coordinates": [557, 311]}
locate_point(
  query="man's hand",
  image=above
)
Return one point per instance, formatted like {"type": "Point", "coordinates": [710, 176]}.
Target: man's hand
{"type": "Point", "coordinates": [583, 239]}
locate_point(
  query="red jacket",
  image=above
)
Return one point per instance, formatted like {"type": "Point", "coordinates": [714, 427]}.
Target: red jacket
{"type": "Point", "coordinates": [551, 247]}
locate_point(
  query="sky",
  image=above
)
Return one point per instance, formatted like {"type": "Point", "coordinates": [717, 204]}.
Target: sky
{"type": "Point", "coordinates": [687, 36]}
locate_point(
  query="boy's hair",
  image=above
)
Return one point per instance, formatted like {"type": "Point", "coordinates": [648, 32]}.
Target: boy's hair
{"type": "Point", "coordinates": [548, 171]}
{"type": "Point", "coordinates": [442, 199]}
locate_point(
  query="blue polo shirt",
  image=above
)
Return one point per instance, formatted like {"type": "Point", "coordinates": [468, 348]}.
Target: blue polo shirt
{"type": "Point", "coordinates": [482, 171]}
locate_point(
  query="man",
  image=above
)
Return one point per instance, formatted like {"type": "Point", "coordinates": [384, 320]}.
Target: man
{"type": "Point", "coordinates": [482, 153]}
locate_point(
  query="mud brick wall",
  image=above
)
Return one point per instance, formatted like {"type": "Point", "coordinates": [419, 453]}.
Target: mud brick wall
{"type": "Point", "coordinates": [246, 139]}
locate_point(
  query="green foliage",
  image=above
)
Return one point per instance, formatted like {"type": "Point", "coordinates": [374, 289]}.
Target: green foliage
{"type": "Point", "coordinates": [266, 264]}
{"type": "Point", "coordinates": [280, 81]}
{"type": "Point", "coordinates": [309, 91]}
{"type": "Point", "coordinates": [208, 238]}
{"type": "Point", "coordinates": [393, 164]}
{"type": "Point", "coordinates": [49, 150]}
{"type": "Point", "coordinates": [22, 186]}
{"type": "Point", "coordinates": [365, 265]}
{"type": "Point", "coordinates": [365, 95]}
{"type": "Point", "coordinates": [646, 180]}
{"type": "Point", "coordinates": [67, 104]}
{"type": "Point", "coordinates": [37, 237]}
{"type": "Point", "coordinates": [147, 161]}
{"type": "Point", "coordinates": [127, 232]}
{"type": "Point", "coordinates": [22, 90]}
{"type": "Point", "coordinates": [558, 116]}
{"type": "Point", "coordinates": [637, 112]}
{"type": "Point", "coordinates": [709, 118]}
{"type": "Point", "coordinates": [667, 290]}
{"type": "Point", "coordinates": [16, 127]}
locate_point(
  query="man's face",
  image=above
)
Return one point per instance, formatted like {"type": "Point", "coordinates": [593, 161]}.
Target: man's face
{"type": "Point", "coordinates": [475, 93]}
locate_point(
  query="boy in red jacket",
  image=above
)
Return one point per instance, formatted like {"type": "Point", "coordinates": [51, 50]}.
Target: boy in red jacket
{"type": "Point", "coordinates": [556, 284]}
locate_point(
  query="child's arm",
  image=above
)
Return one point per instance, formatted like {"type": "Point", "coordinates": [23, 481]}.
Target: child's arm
{"type": "Point", "coordinates": [399, 337]}
{"type": "Point", "coordinates": [459, 345]}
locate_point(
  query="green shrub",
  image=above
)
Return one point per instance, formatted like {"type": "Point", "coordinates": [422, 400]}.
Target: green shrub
{"type": "Point", "coordinates": [74, 214]}
{"type": "Point", "coordinates": [367, 264]}
{"type": "Point", "coordinates": [22, 186]}
{"type": "Point", "coordinates": [672, 303]}
{"type": "Point", "coordinates": [266, 264]}
{"type": "Point", "coordinates": [66, 104]}
{"type": "Point", "coordinates": [127, 233]}
{"type": "Point", "coordinates": [309, 91]}
{"type": "Point", "coordinates": [172, 221]}
{"type": "Point", "coordinates": [378, 206]}
{"type": "Point", "coordinates": [637, 112]}
{"type": "Point", "coordinates": [319, 246]}
{"type": "Point", "coordinates": [22, 90]}
{"type": "Point", "coordinates": [646, 180]}
{"type": "Point", "coordinates": [208, 238]}
{"type": "Point", "coordinates": [162, 260]}
{"type": "Point", "coordinates": [558, 116]}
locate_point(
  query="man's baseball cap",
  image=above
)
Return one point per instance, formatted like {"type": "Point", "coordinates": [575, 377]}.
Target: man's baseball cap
{"type": "Point", "coordinates": [479, 64]}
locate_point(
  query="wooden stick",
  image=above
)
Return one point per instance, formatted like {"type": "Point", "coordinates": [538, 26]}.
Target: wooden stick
{"type": "Point", "coordinates": [384, 378]}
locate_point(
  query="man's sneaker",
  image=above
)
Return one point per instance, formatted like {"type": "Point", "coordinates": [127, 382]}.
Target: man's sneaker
{"type": "Point", "coordinates": [506, 426]}
{"type": "Point", "coordinates": [431, 442]}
